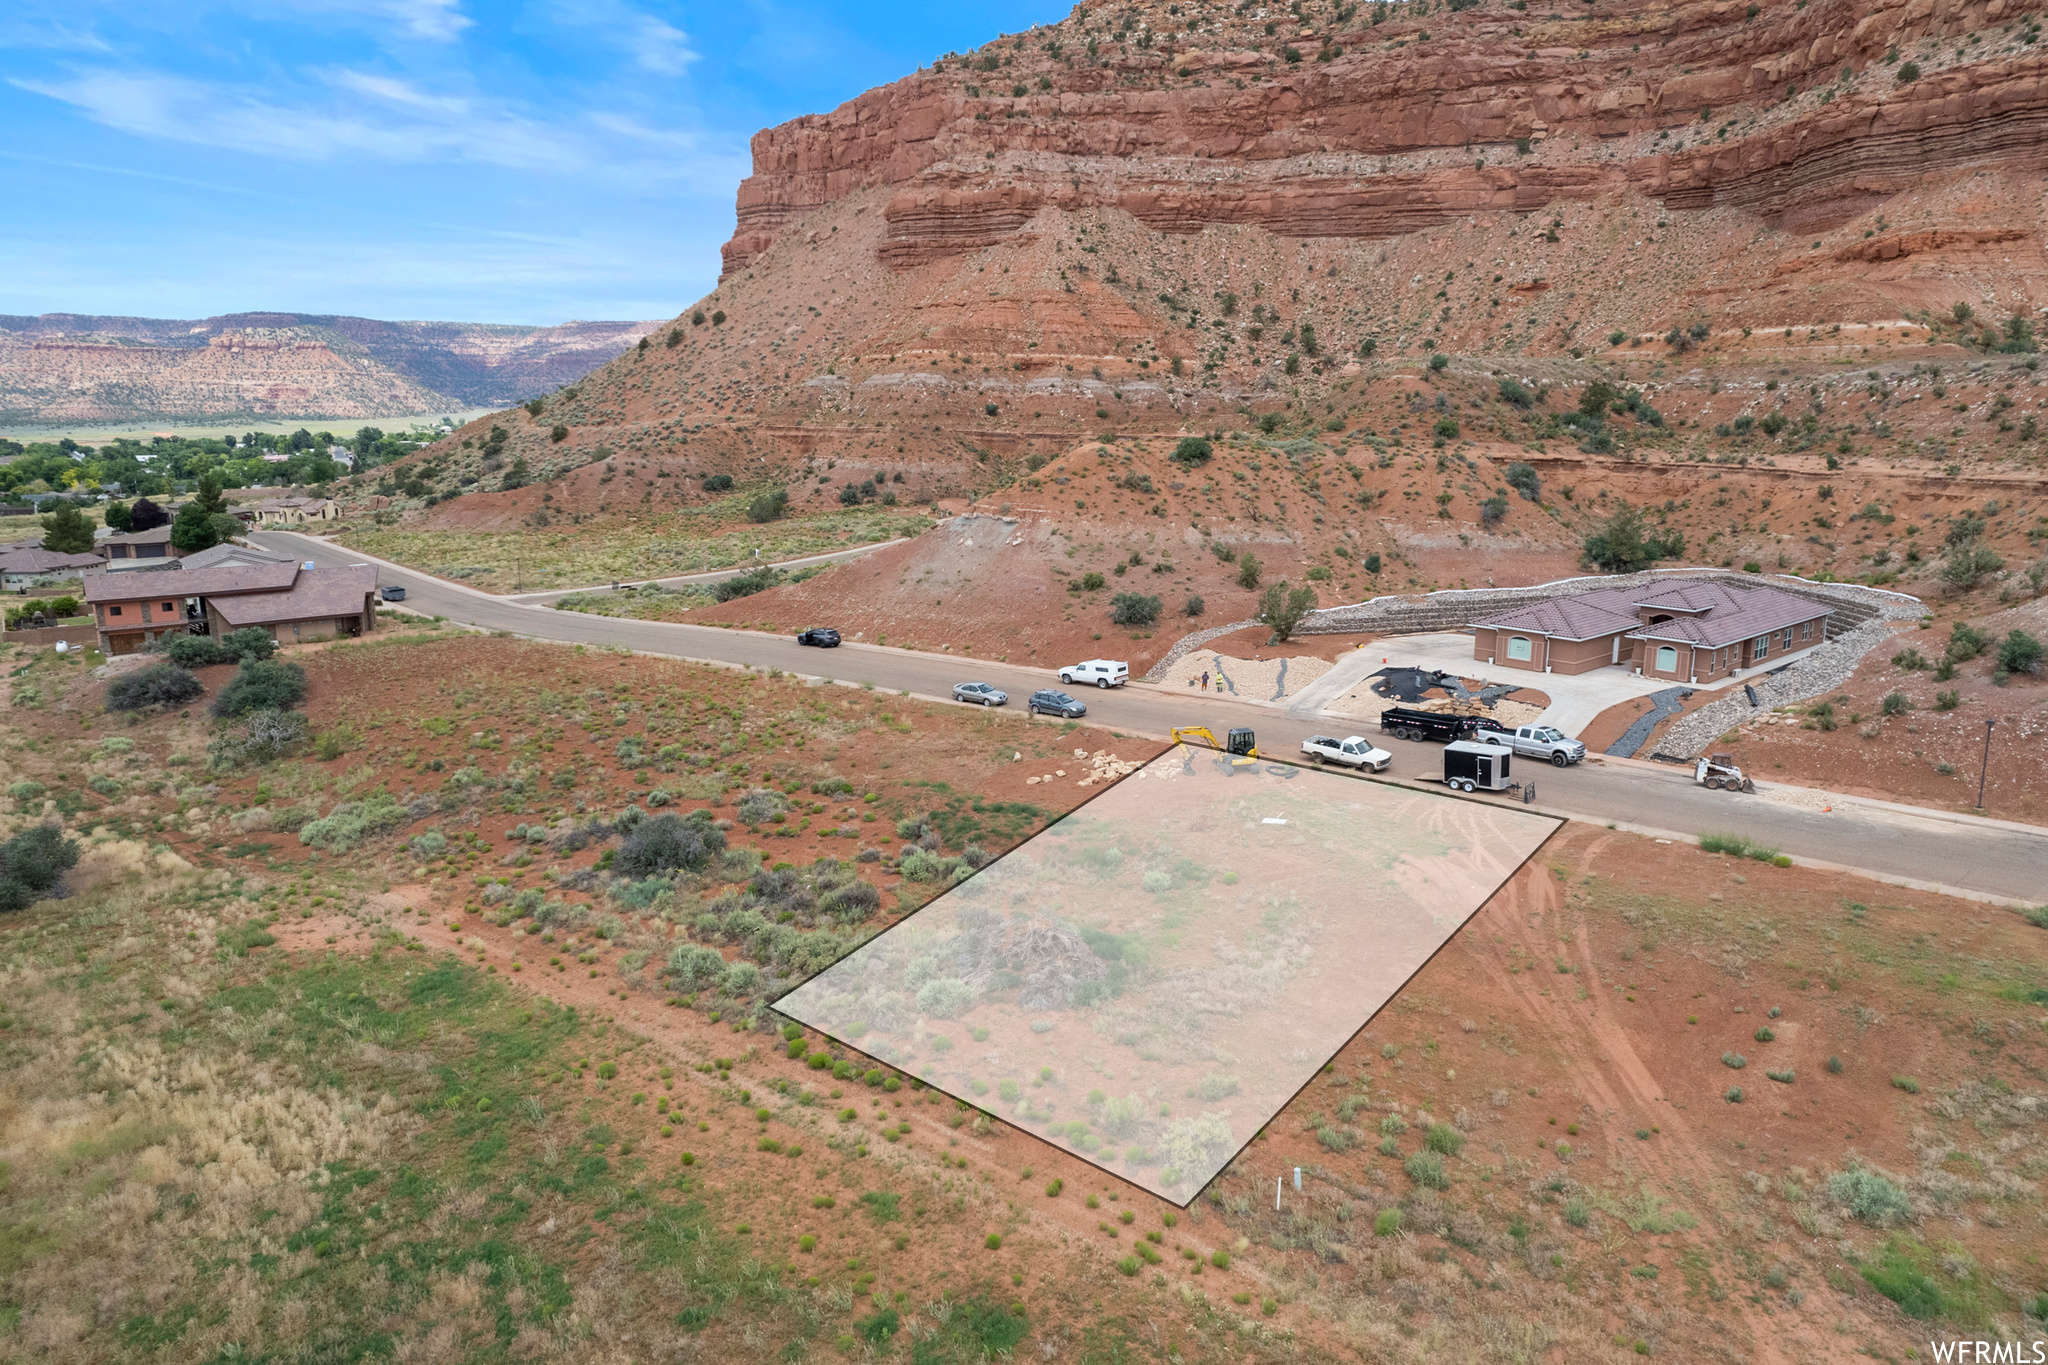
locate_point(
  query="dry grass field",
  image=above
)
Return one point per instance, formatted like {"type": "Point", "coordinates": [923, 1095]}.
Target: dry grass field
{"type": "Point", "coordinates": [429, 1039]}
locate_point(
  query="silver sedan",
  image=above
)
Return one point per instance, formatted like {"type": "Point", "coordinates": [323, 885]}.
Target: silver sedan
{"type": "Point", "coordinates": [984, 693]}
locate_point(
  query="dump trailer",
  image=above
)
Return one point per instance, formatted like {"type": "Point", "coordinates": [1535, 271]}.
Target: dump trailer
{"type": "Point", "coordinates": [1469, 766]}
{"type": "Point", "coordinates": [1405, 722]}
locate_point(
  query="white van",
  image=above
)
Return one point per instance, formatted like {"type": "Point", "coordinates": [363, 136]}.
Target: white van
{"type": "Point", "coordinates": [1101, 672]}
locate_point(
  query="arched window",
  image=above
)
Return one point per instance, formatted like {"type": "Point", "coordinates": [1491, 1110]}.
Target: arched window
{"type": "Point", "coordinates": [1667, 659]}
{"type": "Point", "coordinates": [1518, 647]}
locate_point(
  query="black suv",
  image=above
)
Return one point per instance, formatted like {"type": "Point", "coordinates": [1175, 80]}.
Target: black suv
{"type": "Point", "coordinates": [822, 636]}
{"type": "Point", "coordinates": [1052, 702]}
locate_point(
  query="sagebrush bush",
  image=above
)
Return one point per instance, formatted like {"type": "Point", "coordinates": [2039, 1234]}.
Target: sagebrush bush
{"type": "Point", "coordinates": [33, 862]}
{"type": "Point", "coordinates": [1869, 1196]}
{"type": "Point", "coordinates": [666, 843]}
{"type": "Point", "coordinates": [351, 822]}
{"type": "Point", "coordinates": [158, 685]}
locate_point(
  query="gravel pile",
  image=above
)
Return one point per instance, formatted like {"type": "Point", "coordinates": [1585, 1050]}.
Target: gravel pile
{"type": "Point", "coordinates": [1194, 640]}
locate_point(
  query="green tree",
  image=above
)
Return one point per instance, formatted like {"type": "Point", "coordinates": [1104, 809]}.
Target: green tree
{"type": "Point", "coordinates": [1967, 563]}
{"type": "Point", "coordinates": [1248, 570]}
{"type": "Point", "coordinates": [66, 530]}
{"type": "Point", "coordinates": [208, 498]}
{"type": "Point", "coordinates": [2019, 652]}
{"type": "Point", "coordinates": [193, 529]}
{"type": "Point", "coordinates": [768, 506]}
{"type": "Point", "coordinates": [1191, 451]}
{"type": "Point", "coordinates": [1598, 396]}
{"type": "Point", "coordinates": [1282, 608]}
{"type": "Point", "coordinates": [1625, 543]}
{"type": "Point", "coordinates": [117, 517]}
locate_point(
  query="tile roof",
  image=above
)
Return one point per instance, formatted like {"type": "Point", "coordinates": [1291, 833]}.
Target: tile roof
{"type": "Point", "coordinates": [135, 585]}
{"type": "Point", "coordinates": [1741, 614]}
{"type": "Point", "coordinates": [1727, 613]}
{"type": "Point", "coordinates": [1582, 616]}
{"type": "Point", "coordinates": [155, 535]}
{"type": "Point", "coordinates": [35, 559]}
{"type": "Point", "coordinates": [318, 594]}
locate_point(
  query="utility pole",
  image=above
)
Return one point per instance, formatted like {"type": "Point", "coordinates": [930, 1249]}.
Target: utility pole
{"type": "Point", "coordinates": [1984, 768]}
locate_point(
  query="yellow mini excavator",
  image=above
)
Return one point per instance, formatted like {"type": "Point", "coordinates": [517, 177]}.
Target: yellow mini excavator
{"type": "Point", "coordinates": [1242, 745]}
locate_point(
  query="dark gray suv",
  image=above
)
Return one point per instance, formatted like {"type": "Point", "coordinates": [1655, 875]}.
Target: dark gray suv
{"type": "Point", "coordinates": [1053, 702]}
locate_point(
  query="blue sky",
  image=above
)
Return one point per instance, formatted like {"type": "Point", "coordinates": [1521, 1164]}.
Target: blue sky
{"type": "Point", "coordinates": [443, 159]}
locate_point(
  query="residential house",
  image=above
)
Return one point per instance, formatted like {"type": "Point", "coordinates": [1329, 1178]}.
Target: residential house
{"type": "Point", "coordinates": [140, 549]}
{"type": "Point", "coordinates": [1693, 631]}
{"type": "Point", "coordinates": [294, 603]}
{"type": "Point", "coordinates": [296, 511]}
{"type": "Point", "coordinates": [34, 567]}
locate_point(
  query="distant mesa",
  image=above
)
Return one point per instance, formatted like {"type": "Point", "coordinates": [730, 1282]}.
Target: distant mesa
{"type": "Point", "coordinates": [69, 367]}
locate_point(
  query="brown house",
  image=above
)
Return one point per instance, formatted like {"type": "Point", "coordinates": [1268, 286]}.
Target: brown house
{"type": "Point", "coordinates": [139, 549]}
{"type": "Point", "coordinates": [1688, 632]}
{"type": "Point", "coordinates": [293, 603]}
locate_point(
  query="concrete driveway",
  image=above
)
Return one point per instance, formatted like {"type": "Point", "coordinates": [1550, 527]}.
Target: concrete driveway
{"type": "Point", "coordinates": [1575, 699]}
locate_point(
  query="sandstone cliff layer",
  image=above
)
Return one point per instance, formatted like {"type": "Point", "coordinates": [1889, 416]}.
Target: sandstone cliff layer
{"type": "Point", "coordinates": [1797, 114]}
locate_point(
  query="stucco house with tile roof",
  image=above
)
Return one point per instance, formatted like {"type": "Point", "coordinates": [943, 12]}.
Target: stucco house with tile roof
{"type": "Point", "coordinates": [292, 602]}
{"type": "Point", "coordinates": [1692, 632]}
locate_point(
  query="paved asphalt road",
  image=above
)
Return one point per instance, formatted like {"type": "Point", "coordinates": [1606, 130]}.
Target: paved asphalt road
{"type": "Point", "coordinates": [1986, 859]}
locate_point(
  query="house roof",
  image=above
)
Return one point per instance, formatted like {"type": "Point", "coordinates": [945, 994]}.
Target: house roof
{"type": "Point", "coordinates": [1582, 616]}
{"type": "Point", "coordinates": [38, 560]}
{"type": "Point", "coordinates": [221, 581]}
{"type": "Point", "coordinates": [1743, 614]}
{"type": "Point", "coordinates": [228, 552]}
{"type": "Point", "coordinates": [317, 594]}
{"type": "Point", "coordinates": [155, 535]}
{"type": "Point", "coordinates": [1726, 613]}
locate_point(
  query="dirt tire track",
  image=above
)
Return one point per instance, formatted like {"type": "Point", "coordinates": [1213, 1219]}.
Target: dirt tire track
{"type": "Point", "coordinates": [1606, 1069]}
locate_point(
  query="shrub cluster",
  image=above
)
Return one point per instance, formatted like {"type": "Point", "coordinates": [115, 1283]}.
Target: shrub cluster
{"type": "Point", "coordinates": [33, 862]}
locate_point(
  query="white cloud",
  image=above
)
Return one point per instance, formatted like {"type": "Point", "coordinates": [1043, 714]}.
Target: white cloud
{"type": "Point", "coordinates": [439, 21]}
{"type": "Point", "coordinates": [368, 116]}
{"type": "Point", "coordinates": [653, 43]}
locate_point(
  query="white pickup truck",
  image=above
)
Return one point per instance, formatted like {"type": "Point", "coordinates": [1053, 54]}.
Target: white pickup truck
{"type": "Point", "coordinates": [1536, 741]}
{"type": "Point", "coordinates": [1101, 672]}
{"type": "Point", "coordinates": [1354, 752]}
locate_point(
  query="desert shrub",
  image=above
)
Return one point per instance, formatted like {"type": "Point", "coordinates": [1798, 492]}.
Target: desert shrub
{"type": "Point", "coordinates": [747, 584]}
{"type": "Point", "coordinates": [1493, 511]}
{"type": "Point", "coordinates": [1577, 1212]}
{"type": "Point", "coordinates": [1781, 1077]}
{"type": "Point", "coordinates": [351, 822]}
{"type": "Point", "coordinates": [1513, 391]}
{"type": "Point", "coordinates": [1248, 570]}
{"type": "Point", "coordinates": [660, 845]}
{"type": "Point", "coordinates": [1733, 1095]}
{"type": "Point", "coordinates": [158, 685]}
{"type": "Point", "coordinates": [1947, 700]}
{"type": "Point", "coordinates": [1765, 1035]}
{"type": "Point", "coordinates": [1444, 1138]}
{"type": "Point", "coordinates": [2019, 652]}
{"type": "Point", "coordinates": [1392, 1125]}
{"type": "Point", "coordinates": [194, 651]}
{"type": "Point", "coordinates": [760, 806]}
{"type": "Point", "coordinates": [945, 997]}
{"type": "Point", "coordinates": [1427, 1170]}
{"type": "Point", "coordinates": [1895, 704]}
{"type": "Point", "coordinates": [1191, 452]}
{"type": "Point", "coordinates": [1907, 1084]}
{"type": "Point", "coordinates": [855, 901]}
{"type": "Point", "coordinates": [261, 685]}
{"type": "Point", "coordinates": [1447, 428]}
{"type": "Point", "coordinates": [1387, 1223]}
{"type": "Point", "coordinates": [264, 737]}
{"type": "Point", "coordinates": [1869, 1196]}
{"type": "Point", "coordinates": [1734, 1061]}
{"type": "Point", "coordinates": [768, 506]}
{"type": "Point", "coordinates": [26, 790]}
{"type": "Point", "coordinates": [1133, 609]}
{"type": "Point", "coordinates": [1195, 605]}
{"type": "Point", "coordinates": [32, 863]}
{"type": "Point", "coordinates": [1524, 480]}
{"type": "Point", "coordinates": [1335, 1139]}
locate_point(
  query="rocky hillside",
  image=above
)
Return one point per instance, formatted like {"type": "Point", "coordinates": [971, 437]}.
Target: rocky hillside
{"type": "Point", "coordinates": [1797, 240]}
{"type": "Point", "coordinates": [65, 367]}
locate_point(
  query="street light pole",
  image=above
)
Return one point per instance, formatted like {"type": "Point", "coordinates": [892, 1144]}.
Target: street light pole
{"type": "Point", "coordinates": [1984, 767]}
